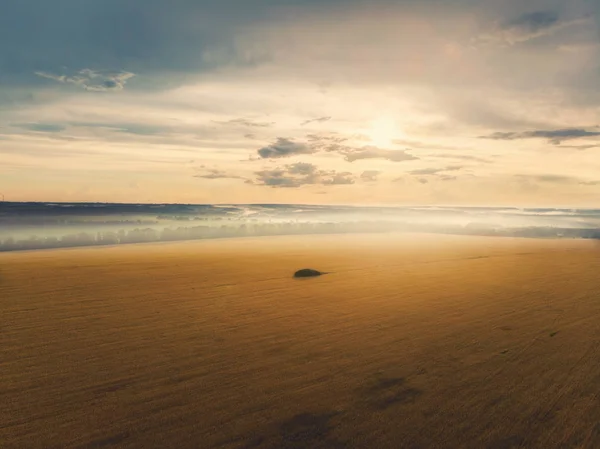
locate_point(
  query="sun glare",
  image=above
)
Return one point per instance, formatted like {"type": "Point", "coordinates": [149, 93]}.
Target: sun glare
{"type": "Point", "coordinates": [383, 131]}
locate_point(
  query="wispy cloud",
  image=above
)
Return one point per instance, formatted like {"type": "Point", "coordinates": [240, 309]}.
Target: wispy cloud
{"type": "Point", "coordinates": [370, 152]}
{"type": "Point", "coordinates": [552, 178]}
{"type": "Point", "coordinates": [463, 157]}
{"type": "Point", "coordinates": [370, 175]}
{"type": "Point", "coordinates": [215, 173]}
{"type": "Point", "coordinates": [580, 147]}
{"type": "Point", "coordinates": [245, 122]}
{"type": "Point", "coordinates": [316, 120]}
{"type": "Point", "coordinates": [435, 170]}
{"type": "Point", "coordinates": [555, 136]}
{"type": "Point", "coordinates": [92, 80]}
{"type": "Point", "coordinates": [41, 127]}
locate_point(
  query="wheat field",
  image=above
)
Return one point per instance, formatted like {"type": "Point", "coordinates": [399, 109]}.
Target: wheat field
{"type": "Point", "coordinates": [410, 341]}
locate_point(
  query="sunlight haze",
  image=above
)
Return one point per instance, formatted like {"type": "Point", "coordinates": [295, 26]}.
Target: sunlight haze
{"type": "Point", "coordinates": [387, 102]}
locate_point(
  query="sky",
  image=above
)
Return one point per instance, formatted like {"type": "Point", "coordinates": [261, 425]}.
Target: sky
{"type": "Point", "coordinates": [406, 102]}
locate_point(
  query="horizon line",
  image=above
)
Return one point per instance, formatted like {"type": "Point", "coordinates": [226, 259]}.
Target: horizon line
{"type": "Point", "coordinates": [306, 204]}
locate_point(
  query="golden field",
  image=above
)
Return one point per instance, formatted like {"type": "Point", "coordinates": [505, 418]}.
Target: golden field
{"type": "Point", "coordinates": [411, 341]}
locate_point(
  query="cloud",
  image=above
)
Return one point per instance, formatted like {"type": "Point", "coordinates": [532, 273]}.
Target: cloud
{"type": "Point", "coordinates": [554, 136]}
{"type": "Point", "coordinates": [331, 142]}
{"type": "Point", "coordinates": [462, 157]}
{"type": "Point", "coordinates": [140, 129]}
{"type": "Point", "coordinates": [215, 173]}
{"type": "Point", "coordinates": [435, 171]}
{"type": "Point", "coordinates": [533, 22]}
{"type": "Point", "coordinates": [146, 36]}
{"type": "Point", "coordinates": [580, 147]}
{"type": "Point", "coordinates": [95, 81]}
{"type": "Point", "coordinates": [245, 122]}
{"type": "Point", "coordinates": [300, 174]}
{"type": "Point", "coordinates": [301, 168]}
{"type": "Point", "coordinates": [529, 26]}
{"type": "Point", "coordinates": [423, 145]}
{"type": "Point", "coordinates": [370, 152]}
{"type": "Point", "coordinates": [284, 148]}
{"type": "Point", "coordinates": [370, 175]}
{"type": "Point", "coordinates": [316, 120]}
{"type": "Point", "coordinates": [41, 127]}
{"type": "Point", "coordinates": [554, 179]}
{"type": "Point", "coordinates": [446, 177]}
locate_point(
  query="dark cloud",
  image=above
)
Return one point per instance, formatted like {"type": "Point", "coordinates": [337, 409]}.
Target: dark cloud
{"type": "Point", "coordinates": [44, 36]}
{"type": "Point", "coordinates": [527, 26]}
{"type": "Point", "coordinates": [370, 152]}
{"type": "Point", "coordinates": [152, 37]}
{"type": "Point", "coordinates": [284, 148]}
{"type": "Point", "coordinates": [533, 22]}
{"type": "Point", "coordinates": [95, 81]}
{"type": "Point", "coordinates": [370, 175]}
{"type": "Point", "coordinates": [300, 174]}
{"type": "Point", "coordinates": [315, 120]}
{"type": "Point", "coordinates": [554, 136]}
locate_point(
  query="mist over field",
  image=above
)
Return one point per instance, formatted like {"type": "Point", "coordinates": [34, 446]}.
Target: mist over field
{"type": "Point", "coordinates": [55, 225]}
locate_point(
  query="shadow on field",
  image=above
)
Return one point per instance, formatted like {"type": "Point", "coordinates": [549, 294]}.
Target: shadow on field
{"type": "Point", "coordinates": [387, 392]}
{"type": "Point", "coordinates": [305, 430]}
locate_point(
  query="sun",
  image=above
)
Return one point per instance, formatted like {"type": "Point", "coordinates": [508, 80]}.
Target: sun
{"type": "Point", "coordinates": [382, 131]}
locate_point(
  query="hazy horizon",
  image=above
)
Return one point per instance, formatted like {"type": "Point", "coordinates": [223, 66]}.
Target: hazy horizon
{"type": "Point", "coordinates": [28, 226]}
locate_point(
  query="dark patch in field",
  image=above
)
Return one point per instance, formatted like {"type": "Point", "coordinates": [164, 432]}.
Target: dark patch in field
{"type": "Point", "coordinates": [110, 441]}
{"type": "Point", "coordinates": [304, 430]}
{"type": "Point", "coordinates": [110, 387]}
{"type": "Point", "coordinates": [507, 443]}
{"type": "Point", "coordinates": [386, 392]}
{"type": "Point", "coordinates": [593, 437]}
{"type": "Point", "coordinates": [552, 334]}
